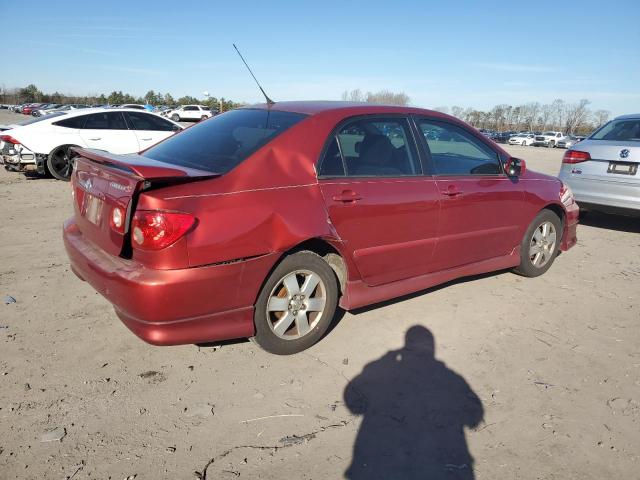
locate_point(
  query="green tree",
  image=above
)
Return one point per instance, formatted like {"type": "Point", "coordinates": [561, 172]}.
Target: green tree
{"type": "Point", "coordinates": [30, 93]}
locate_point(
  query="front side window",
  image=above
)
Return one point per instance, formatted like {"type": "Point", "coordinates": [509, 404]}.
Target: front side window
{"type": "Point", "coordinates": [148, 121]}
{"type": "Point", "coordinates": [372, 147]}
{"type": "Point", "coordinates": [105, 121]}
{"type": "Point", "coordinates": [457, 152]}
{"type": "Point", "coordinates": [619, 130]}
{"type": "Point", "coordinates": [223, 142]}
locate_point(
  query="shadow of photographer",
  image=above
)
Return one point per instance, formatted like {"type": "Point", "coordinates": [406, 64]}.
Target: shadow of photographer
{"type": "Point", "coordinates": [414, 411]}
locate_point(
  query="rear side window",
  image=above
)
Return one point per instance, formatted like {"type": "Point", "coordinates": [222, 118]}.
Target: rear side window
{"type": "Point", "coordinates": [148, 121]}
{"type": "Point", "coordinates": [372, 147]}
{"type": "Point", "coordinates": [220, 144]}
{"type": "Point", "coordinates": [39, 119]}
{"type": "Point", "coordinates": [75, 122]}
{"type": "Point", "coordinates": [620, 131]}
{"type": "Point", "coordinates": [105, 121]}
{"type": "Point", "coordinates": [457, 152]}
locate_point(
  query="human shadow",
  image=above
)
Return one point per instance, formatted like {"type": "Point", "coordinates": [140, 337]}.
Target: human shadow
{"type": "Point", "coordinates": [414, 412]}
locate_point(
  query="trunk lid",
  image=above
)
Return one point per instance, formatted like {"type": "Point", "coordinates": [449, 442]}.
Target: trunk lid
{"type": "Point", "coordinates": [614, 161]}
{"type": "Point", "coordinates": [103, 181]}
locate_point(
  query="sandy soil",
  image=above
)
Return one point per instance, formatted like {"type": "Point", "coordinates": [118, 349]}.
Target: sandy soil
{"type": "Point", "coordinates": [532, 378]}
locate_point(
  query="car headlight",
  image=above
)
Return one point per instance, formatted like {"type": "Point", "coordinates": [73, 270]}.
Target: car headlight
{"type": "Point", "coordinates": [566, 195]}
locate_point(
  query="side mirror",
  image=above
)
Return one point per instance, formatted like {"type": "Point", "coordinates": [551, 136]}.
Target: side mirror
{"type": "Point", "coordinates": [515, 167]}
{"type": "Point", "coordinates": [177, 128]}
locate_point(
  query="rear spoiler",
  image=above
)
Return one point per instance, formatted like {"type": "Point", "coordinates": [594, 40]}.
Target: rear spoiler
{"type": "Point", "coordinates": [142, 167]}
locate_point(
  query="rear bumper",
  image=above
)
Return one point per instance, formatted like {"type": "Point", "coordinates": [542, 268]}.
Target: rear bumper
{"type": "Point", "coordinates": [570, 230]}
{"type": "Point", "coordinates": [172, 307]}
{"type": "Point", "coordinates": [616, 194]}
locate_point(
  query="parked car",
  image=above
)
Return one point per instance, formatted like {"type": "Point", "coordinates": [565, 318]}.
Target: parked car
{"type": "Point", "coordinates": [51, 138]}
{"type": "Point", "coordinates": [261, 221]}
{"type": "Point", "coordinates": [602, 170]}
{"type": "Point", "coordinates": [46, 109]}
{"type": "Point", "coordinates": [70, 107]}
{"type": "Point", "coordinates": [189, 112]}
{"type": "Point", "coordinates": [137, 106]}
{"type": "Point", "coordinates": [569, 141]}
{"type": "Point", "coordinates": [548, 139]}
{"type": "Point", "coordinates": [28, 109]}
{"type": "Point", "coordinates": [524, 139]}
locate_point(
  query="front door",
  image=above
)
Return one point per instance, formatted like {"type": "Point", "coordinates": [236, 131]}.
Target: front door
{"type": "Point", "coordinates": [480, 204]}
{"type": "Point", "coordinates": [383, 208]}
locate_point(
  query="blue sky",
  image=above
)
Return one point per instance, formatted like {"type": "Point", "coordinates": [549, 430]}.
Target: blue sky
{"type": "Point", "coordinates": [440, 53]}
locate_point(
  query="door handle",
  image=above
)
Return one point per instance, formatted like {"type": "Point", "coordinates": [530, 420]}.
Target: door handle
{"type": "Point", "coordinates": [347, 196]}
{"type": "Point", "coordinates": [96, 138]}
{"type": "Point", "coordinates": [452, 191]}
{"type": "Point", "coordinates": [145, 139]}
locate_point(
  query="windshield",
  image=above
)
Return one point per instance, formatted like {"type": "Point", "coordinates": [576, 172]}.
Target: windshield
{"type": "Point", "coordinates": [549, 134]}
{"type": "Point", "coordinates": [619, 130]}
{"type": "Point", "coordinates": [39, 119]}
{"type": "Point", "coordinates": [220, 144]}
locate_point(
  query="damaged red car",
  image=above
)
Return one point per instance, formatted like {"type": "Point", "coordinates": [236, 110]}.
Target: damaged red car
{"type": "Point", "coordinates": [262, 221]}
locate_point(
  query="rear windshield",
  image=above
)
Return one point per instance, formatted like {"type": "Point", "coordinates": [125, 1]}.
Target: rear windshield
{"type": "Point", "coordinates": [619, 130]}
{"type": "Point", "coordinates": [221, 143]}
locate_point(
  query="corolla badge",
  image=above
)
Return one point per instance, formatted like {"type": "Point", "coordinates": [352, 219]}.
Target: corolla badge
{"type": "Point", "coordinates": [624, 153]}
{"type": "Point", "coordinates": [122, 188]}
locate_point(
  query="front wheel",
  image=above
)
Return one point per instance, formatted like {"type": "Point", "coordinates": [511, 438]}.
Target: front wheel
{"type": "Point", "coordinates": [540, 244]}
{"type": "Point", "coordinates": [175, 117]}
{"type": "Point", "coordinates": [60, 162]}
{"type": "Point", "coordinates": [552, 144]}
{"type": "Point", "coordinates": [296, 305]}
{"type": "Point", "coordinates": [203, 117]}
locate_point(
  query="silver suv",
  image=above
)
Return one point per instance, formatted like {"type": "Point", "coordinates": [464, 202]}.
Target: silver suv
{"type": "Point", "coordinates": [602, 170]}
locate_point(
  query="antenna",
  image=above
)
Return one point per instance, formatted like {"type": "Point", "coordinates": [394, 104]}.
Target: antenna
{"type": "Point", "coordinates": [269, 101]}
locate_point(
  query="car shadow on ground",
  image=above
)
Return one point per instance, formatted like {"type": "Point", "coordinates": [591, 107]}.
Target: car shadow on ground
{"type": "Point", "coordinates": [414, 412]}
{"type": "Point", "coordinates": [610, 221]}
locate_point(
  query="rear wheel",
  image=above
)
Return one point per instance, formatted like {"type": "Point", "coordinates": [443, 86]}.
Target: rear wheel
{"type": "Point", "coordinates": [203, 117]}
{"type": "Point", "coordinates": [296, 305]}
{"type": "Point", "coordinates": [175, 117]}
{"type": "Point", "coordinates": [60, 162]}
{"type": "Point", "coordinates": [540, 244]}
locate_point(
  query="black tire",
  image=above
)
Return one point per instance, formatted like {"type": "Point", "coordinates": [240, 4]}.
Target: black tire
{"type": "Point", "coordinates": [175, 117]}
{"type": "Point", "coordinates": [203, 117]}
{"type": "Point", "coordinates": [552, 144]}
{"type": "Point", "coordinates": [318, 322]}
{"type": "Point", "coordinates": [527, 268]}
{"type": "Point", "coordinates": [60, 162]}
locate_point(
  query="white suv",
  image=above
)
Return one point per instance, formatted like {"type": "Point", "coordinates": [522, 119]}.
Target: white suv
{"type": "Point", "coordinates": [189, 112]}
{"type": "Point", "coordinates": [548, 139]}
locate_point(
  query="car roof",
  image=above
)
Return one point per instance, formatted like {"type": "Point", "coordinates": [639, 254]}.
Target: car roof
{"type": "Point", "coordinates": [85, 111]}
{"type": "Point", "coordinates": [346, 108]}
{"type": "Point", "coordinates": [629, 115]}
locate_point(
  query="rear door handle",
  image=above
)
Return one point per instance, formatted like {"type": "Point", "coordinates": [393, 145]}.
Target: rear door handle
{"type": "Point", "coordinates": [145, 139]}
{"type": "Point", "coordinates": [452, 192]}
{"type": "Point", "coordinates": [96, 138]}
{"type": "Point", "coordinates": [347, 196]}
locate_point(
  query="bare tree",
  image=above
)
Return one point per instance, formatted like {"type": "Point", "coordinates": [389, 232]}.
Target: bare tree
{"type": "Point", "coordinates": [388, 97]}
{"type": "Point", "coordinates": [577, 113]}
{"type": "Point", "coordinates": [601, 117]}
{"type": "Point", "coordinates": [353, 95]}
{"type": "Point", "coordinates": [457, 112]}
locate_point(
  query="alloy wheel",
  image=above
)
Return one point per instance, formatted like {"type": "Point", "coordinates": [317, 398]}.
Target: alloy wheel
{"type": "Point", "coordinates": [296, 304]}
{"type": "Point", "coordinates": [543, 244]}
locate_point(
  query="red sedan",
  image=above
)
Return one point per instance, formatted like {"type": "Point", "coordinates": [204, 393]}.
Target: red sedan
{"type": "Point", "coordinates": [261, 221]}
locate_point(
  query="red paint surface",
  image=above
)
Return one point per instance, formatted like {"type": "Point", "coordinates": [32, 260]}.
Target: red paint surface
{"type": "Point", "coordinates": [395, 235]}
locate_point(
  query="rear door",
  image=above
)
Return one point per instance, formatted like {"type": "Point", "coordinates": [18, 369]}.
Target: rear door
{"type": "Point", "coordinates": [108, 131]}
{"type": "Point", "coordinates": [149, 128]}
{"type": "Point", "coordinates": [190, 112]}
{"type": "Point", "coordinates": [380, 203]}
{"type": "Point", "coordinates": [480, 205]}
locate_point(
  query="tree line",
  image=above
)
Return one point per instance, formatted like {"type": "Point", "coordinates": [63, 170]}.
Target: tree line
{"type": "Point", "coordinates": [533, 116]}
{"type": "Point", "coordinates": [32, 94]}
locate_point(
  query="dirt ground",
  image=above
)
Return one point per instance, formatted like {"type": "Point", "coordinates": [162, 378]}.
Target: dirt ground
{"type": "Point", "coordinates": [532, 378]}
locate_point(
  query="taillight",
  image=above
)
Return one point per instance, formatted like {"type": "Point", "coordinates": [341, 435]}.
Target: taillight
{"type": "Point", "coordinates": [566, 195]}
{"type": "Point", "coordinates": [575, 156]}
{"type": "Point", "coordinates": [154, 230]}
{"type": "Point", "coordinates": [117, 219]}
{"type": "Point", "coordinates": [9, 139]}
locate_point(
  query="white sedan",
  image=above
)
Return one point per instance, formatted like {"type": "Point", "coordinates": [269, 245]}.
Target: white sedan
{"type": "Point", "coordinates": [524, 139]}
{"type": "Point", "coordinates": [45, 143]}
{"type": "Point", "coordinates": [189, 112]}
